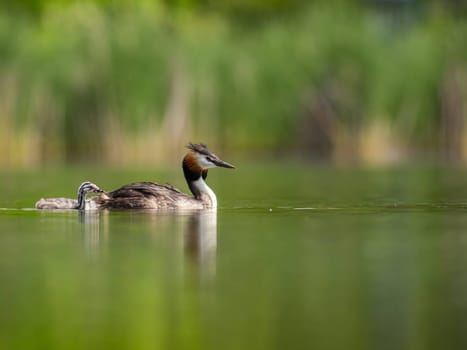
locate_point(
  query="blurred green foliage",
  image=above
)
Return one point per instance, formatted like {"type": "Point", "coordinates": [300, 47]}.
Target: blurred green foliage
{"type": "Point", "coordinates": [119, 81]}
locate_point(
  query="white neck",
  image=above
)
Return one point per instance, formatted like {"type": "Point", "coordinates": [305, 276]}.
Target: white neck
{"type": "Point", "coordinates": [207, 195]}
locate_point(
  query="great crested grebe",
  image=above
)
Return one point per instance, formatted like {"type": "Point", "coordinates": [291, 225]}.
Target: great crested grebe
{"type": "Point", "coordinates": [150, 195]}
{"type": "Point", "coordinates": [67, 203]}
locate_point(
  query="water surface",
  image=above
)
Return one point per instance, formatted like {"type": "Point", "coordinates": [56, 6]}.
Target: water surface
{"type": "Point", "coordinates": [296, 257]}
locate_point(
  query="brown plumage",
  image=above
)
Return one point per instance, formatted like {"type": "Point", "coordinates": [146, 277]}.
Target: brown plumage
{"type": "Point", "coordinates": [151, 195]}
{"type": "Point", "coordinates": [145, 195]}
{"type": "Point", "coordinates": [191, 162]}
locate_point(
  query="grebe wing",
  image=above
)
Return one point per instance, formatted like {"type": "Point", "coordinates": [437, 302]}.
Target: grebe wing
{"type": "Point", "coordinates": [144, 189]}
{"type": "Point", "coordinates": [142, 195]}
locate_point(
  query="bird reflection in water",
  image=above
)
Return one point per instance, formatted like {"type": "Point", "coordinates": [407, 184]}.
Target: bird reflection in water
{"type": "Point", "coordinates": [91, 221]}
{"type": "Point", "coordinates": [200, 242]}
{"type": "Point", "coordinates": [197, 229]}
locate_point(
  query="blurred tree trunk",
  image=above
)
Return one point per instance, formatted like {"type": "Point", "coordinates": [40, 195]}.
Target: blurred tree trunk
{"type": "Point", "coordinates": [174, 124]}
{"type": "Point", "coordinates": [82, 126]}
{"type": "Point", "coordinates": [317, 121]}
{"type": "Point", "coordinates": [452, 113]}
{"type": "Point", "coordinates": [329, 126]}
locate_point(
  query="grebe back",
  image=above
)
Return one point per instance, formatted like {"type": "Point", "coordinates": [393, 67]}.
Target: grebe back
{"type": "Point", "coordinates": [151, 195]}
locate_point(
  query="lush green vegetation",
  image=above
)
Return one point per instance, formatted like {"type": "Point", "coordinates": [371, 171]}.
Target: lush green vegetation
{"type": "Point", "coordinates": [113, 82]}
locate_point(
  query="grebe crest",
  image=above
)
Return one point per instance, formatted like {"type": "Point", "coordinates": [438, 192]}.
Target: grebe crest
{"type": "Point", "coordinates": [200, 159]}
{"type": "Point", "coordinates": [195, 168]}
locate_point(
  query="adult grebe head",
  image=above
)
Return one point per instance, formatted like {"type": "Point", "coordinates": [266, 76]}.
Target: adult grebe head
{"type": "Point", "coordinates": [199, 158]}
{"type": "Point", "coordinates": [195, 168]}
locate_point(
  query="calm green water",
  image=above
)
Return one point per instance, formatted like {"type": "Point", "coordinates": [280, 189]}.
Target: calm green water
{"type": "Point", "coordinates": [297, 257]}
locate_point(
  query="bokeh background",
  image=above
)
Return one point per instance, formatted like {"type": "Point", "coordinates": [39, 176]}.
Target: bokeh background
{"type": "Point", "coordinates": [127, 82]}
{"type": "Point", "coordinates": [313, 246]}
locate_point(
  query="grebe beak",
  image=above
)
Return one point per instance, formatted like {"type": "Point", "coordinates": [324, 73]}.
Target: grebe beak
{"type": "Point", "coordinates": [221, 163]}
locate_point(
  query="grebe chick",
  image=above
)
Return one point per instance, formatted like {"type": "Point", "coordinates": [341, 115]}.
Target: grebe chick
{"type": "Point", "coordinates": [67, 203]}
{"type": "Point", "coordinates": [151, 195]}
